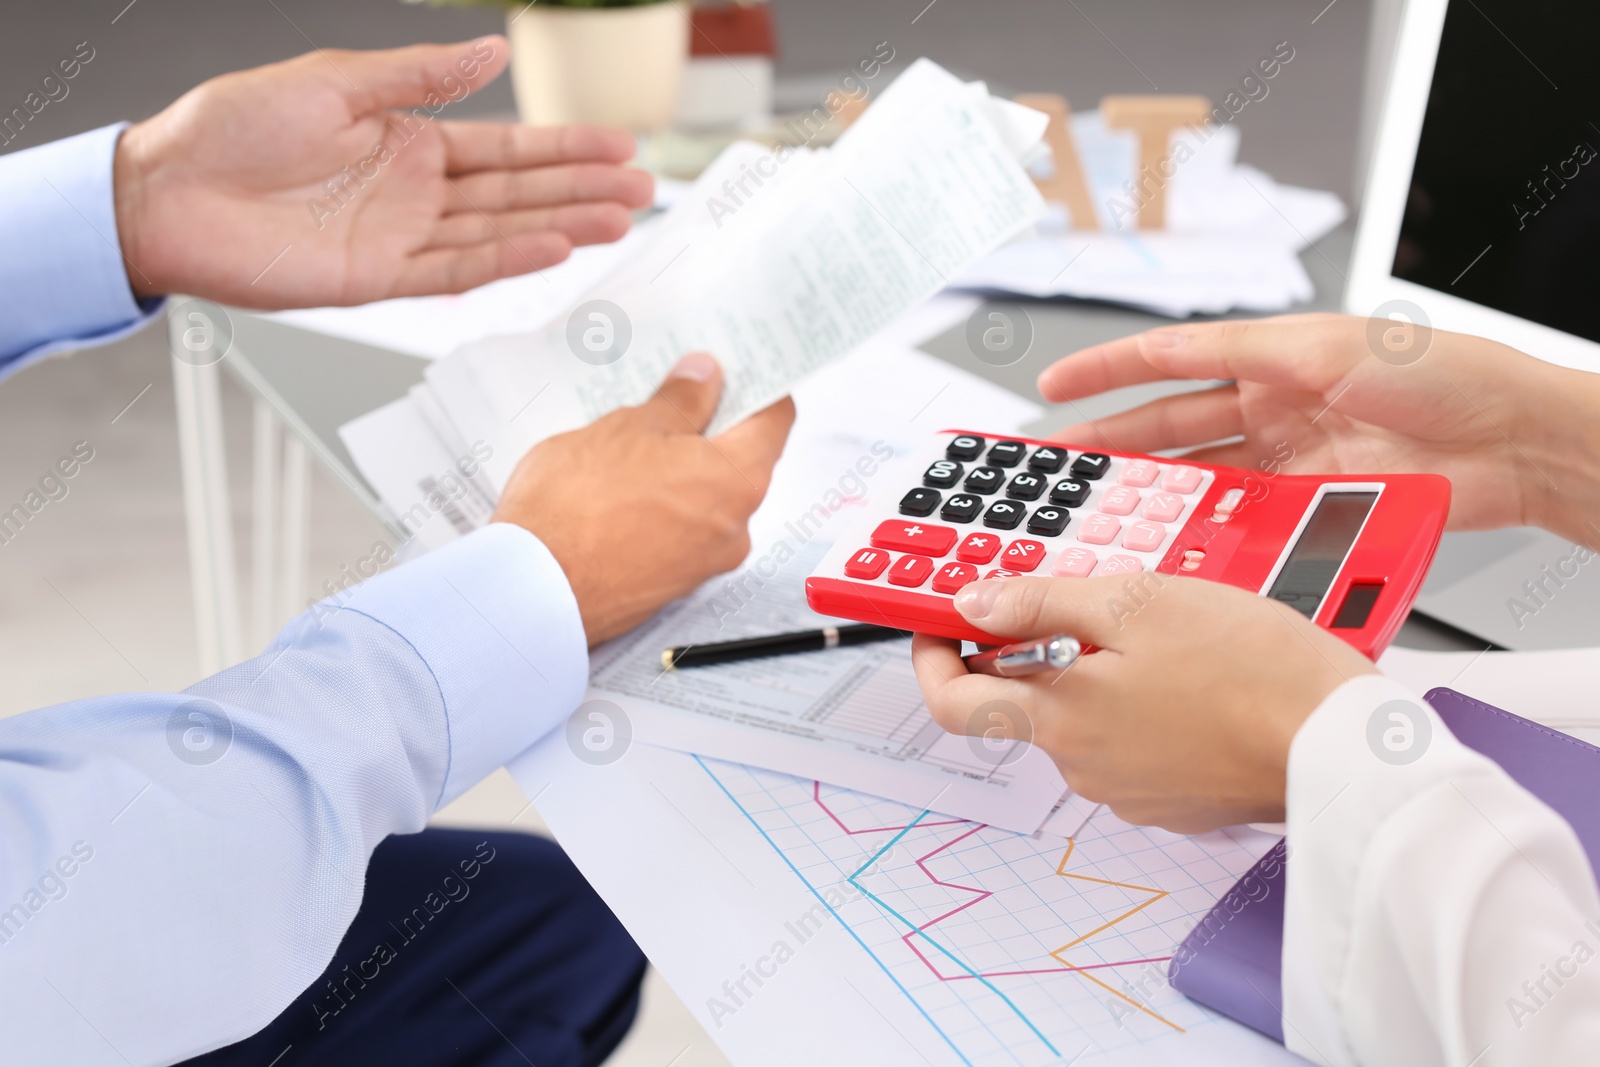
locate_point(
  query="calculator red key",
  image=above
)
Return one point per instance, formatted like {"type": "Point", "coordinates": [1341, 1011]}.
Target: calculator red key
{"type": "Point", "coordinates": [952, 576]}
{"type": "Point", "coordinates": [1181, 479]}
{"type": "Point", "coordinates": [1140, 473]}
{"type": "Point", "coordinates": [1000, 572]}
{"type": "Point", "coordinates": [1023, 555]}
{"type": "Point", "coordinates": [1120, 564]}
{"type": "Point", "coordinates": [904, 535]}
{"type": "Point", "coordinates": [978, 548]}
{"type": "Point", "coordinates": [1075, 563]}
{"type": "Point", "coordinates": [1144, 536]}
{"type": "Point", "coordinates": [1119, 500]}
{"type": "Point", "coordinates": [1099, 529]}
{"type": "Point", "coordinates": [1162, 507]}
{"type": "Point", "coordinates": [867, 564]}
{"type": "Point", "coordinates": [910, 571]}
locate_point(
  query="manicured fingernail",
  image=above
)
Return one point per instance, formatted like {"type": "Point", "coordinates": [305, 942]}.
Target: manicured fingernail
{"type": "Point", "coordinates": [696, 366]}
{"type": "Point", "coordinates": [1166, 339]}
{"type": "Point", "coordinates": [977, 599]}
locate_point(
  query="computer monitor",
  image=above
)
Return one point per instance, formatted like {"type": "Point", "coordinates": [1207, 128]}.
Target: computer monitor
{"type": "Point", "coordinates": [1483, 201]}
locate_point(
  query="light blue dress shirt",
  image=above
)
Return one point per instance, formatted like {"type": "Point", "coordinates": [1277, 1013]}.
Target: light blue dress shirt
{"type": "Point", "coordinates": [176, 867]}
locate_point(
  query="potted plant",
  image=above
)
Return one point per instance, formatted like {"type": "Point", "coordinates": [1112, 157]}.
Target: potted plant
{"type": "Point", "coordinates": [608, 62]}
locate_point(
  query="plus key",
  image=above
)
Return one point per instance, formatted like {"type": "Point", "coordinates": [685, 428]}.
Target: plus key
{"type": "Point", "coordinates": [899, 535]}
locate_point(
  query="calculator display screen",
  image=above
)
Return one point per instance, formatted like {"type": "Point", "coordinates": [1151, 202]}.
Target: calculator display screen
{"type": "Point", "coordinates": [1317, 556]}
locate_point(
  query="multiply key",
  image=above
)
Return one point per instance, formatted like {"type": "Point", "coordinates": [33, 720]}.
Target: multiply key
{"type": "Point", "coordinates": [898, 535]}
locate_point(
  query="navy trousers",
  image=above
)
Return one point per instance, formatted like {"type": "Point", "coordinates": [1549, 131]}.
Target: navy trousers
{"type": "Point", "coordinates": [471, 949]}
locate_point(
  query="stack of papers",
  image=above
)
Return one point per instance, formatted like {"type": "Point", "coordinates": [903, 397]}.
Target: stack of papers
{"type": "Point", "coordinates": [1232, 242]}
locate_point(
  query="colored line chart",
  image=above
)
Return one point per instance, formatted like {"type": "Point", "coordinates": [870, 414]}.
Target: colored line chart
{"type": "Point", "coordinates": [1014, 949]}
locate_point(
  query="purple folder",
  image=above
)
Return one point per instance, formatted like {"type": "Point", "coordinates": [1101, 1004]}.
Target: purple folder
{"type": "Point", "coordinates": [1233, 961]}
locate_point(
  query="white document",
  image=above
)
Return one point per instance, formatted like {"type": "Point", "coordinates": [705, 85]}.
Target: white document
{"type": "Point", "coordinates": [776, 265]}
{"type": "Point", "coordinates": [807, 925]}
{"type": "Point", "coordinates": [1554, 687]}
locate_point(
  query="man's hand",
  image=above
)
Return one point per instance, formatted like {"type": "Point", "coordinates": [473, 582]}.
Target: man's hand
{"type": "Point", "coordinates": [328, 180]}
{"type": "Point", "coordinates": [1184, 716]}
{"type": "Point", "coordinates": [640, 507]}
{"type": "Point", "coordinates": [1512, 433]}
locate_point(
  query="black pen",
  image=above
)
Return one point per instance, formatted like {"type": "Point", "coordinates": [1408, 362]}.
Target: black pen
{"type": "Point", "coordinates": [777, 645]}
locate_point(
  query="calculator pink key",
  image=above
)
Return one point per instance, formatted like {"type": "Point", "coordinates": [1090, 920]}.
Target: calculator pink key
{"type": "Point", "coordinates": [1119, 500]}
{"type": "Point", "coordinates": [1023, 555]}
{"type": "Point", "coordinates": [1144, 536]}
{"type": "Point", "coordinates": [1162, 507]}
{"type": "Point", "coordinates": [1099, 529]}
{"type": "Point", "coordinates": [1181, 479]}
{"type": "Point", "coordinates": [952, 576]}
{"type": "Point", "coordinates": [866, 564]}
{"type": "Point", "coordinates": [910, 571]}
{"type": "Point", "coordinates": [1120, 565]}
{"type": "Point", "coordinates": [1140, 473]}
{"type": "Point", "coordinates": [1075, 563]}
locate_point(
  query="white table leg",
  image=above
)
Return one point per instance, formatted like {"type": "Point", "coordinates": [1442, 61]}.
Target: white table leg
{"type": "Point", "coordinates": [296, 526]}
{"type": "Point", "coordinates": [206, 506]}
{"type": "Point", "coordinates": [265, 600]}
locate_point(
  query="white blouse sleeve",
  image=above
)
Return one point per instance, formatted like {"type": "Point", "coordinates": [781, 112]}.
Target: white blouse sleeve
{"type": "Point", "coordinates": [1436, 912]}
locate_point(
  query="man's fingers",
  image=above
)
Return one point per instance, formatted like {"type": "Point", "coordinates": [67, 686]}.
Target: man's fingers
{"type": "Point", "coordinates": [950, 691]}
{"type": "Point", "coordinates": [583, 224]}
{"type": "Point", "coordinates": [686, 400]}
{"type": "Point", "coordinates": [1170, 422]}
{"type": "Point", "coordinates": [455, 270]}
{"type": "Point", "coordinates": [1096, 370]}
{"type": "Point", "coordinates": [755, 444]}
{"type": "Point", "coordinates": [513, 190]}
{"type": "Point", "coordinates": [1094, 610]}
{"type": "Point", "coordinates": [475, 146]}
{"type": "Point", "coordinates": [424, 75]}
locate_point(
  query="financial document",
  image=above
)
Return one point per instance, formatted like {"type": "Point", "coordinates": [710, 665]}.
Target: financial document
{"type": "Point", "coordinates": [776, 261]}
{"type": "Point", "coordinates": [804, 924]}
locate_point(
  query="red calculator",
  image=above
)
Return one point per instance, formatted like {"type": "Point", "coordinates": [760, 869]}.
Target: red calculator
{"type": "Point", "coordinates": [1349, 553]}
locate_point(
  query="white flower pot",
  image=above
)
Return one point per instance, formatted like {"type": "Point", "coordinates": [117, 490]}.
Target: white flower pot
{"type": "Point", "coordinates": [614, 66]}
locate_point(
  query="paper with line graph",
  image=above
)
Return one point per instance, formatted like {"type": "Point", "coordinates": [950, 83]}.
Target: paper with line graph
{"type": "Point", "coordinates": [805, 924]}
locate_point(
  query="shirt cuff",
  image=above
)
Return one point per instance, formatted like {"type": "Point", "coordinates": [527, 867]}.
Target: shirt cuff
{"type": "Point", "coordinates": [494, 619]}
{"type": "Point", "coordinates": [61, 265]}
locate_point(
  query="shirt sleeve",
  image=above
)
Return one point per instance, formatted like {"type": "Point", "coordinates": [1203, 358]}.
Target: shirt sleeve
{"type": "Point", "coordinates": [63, 281]}
{"type": "Point", "coordinates": [1436, 912]}
{"type": "Point", "coordinates": [177, 867]}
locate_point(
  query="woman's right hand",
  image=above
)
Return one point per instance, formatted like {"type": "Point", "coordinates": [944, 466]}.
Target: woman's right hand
{"type": "Point", "coordinates": [1518, 438]}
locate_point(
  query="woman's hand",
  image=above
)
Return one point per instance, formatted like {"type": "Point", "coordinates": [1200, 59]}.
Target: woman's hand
{"type": "Point", "coordinates": [1516, 436]}
{"type": "Point", "coordinates": [1184, 716]}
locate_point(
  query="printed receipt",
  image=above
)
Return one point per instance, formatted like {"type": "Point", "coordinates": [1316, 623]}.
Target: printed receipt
{"type": "Point", "coordinates": [778, 276]}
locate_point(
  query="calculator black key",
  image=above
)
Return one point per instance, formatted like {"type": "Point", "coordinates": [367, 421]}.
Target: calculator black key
{"type": "Point", "coordinates": [943, 474]}
{"type": "Point", "coordinates": [919, 502]}
{"type": "Point", "coordinates": [1070, 493]}
{"type": "Point", "coordinates": [965, 448]}
{"type": "Point", "coordinates": [961, 507]}
{"type": "Point", "coordinates": [984, 480]}
{"type": "Point", "coordinates": [1004, 515]}
{"type": "Point", "coordinates": [1047, 460]}
{"type": "Point", "coordinates": [1049, 521]}
{"type": "Point", "coordinates": [1007, 453]}
{"type": "Point", "coordinates": [1025, 486]}
{"type": "Point", "coordinates": [1091, 465]}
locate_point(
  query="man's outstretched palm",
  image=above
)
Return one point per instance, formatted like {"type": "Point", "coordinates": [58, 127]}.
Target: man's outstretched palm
{"type": "Point", "coordinates": [328, 180]}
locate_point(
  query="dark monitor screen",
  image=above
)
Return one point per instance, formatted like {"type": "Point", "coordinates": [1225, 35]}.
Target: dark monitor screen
{"type": "Point", "coordinates": [1316, 557]}
{"type": "Point", "coordinates": [1504, 204]}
